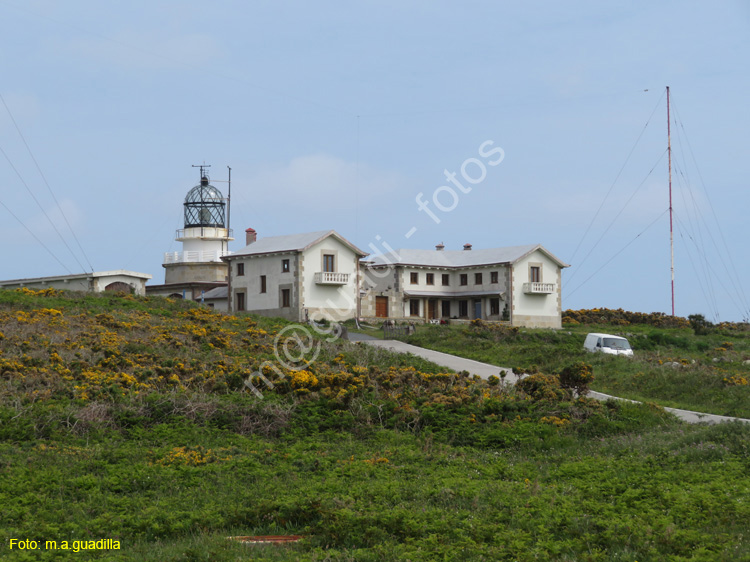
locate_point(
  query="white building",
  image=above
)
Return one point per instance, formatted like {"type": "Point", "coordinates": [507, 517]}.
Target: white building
{"type": "Point", "coordinates": [95, 282]}
{"type": "Point", "coordinates": [300, 276]}
{"type": "Point", "coordinates": [520, 284]}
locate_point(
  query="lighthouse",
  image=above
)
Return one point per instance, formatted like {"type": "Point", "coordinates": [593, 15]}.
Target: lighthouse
{"type": "Point", "coordinates": [205, 237]}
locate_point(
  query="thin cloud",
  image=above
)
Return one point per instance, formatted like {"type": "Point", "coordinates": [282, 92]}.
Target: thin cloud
{"type": "Point", "coordinates": [322, 182]}
{"type": "Point", "coordinates": [145, 50]}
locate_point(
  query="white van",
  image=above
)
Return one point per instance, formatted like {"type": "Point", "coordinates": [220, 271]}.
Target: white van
{"type": "Point", "coordinates": [607, 343]}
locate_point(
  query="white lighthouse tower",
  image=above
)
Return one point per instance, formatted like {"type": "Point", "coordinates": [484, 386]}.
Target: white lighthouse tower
{"type": "Point", "coordinates": [205, 237]}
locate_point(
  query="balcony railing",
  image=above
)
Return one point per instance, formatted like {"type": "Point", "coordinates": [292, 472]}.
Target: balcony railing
{"type": "Point", "coordinates": [331, 278]}
{"type": "Point", "coordinates": [194, 257]}
{"type": "Point", "coordinates": [538, 288]}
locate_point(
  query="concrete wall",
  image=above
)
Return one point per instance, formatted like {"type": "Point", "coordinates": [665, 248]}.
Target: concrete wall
{"type": "Point", "coordinates": [537, 310]}
{"type": "Point", "coordinates": [308, 298]}
{"type": "Point", "coordinates": [268, 303]}
{"type": "Point", "coordinates": [394, 281]}
{"type": "Point", "coordinates": [85, 284]}
{"type": "Point", "coordinates": [382, 282]}
{"type": "Point", "coordinates": [138, 285]}
{"type": "Point", "coordinates": [201, 245]}
{"type": "Point", "coordinates": [455, 287]}
{"type": "Point", "coordinates": [186, 272]}
{"type": "Point", "coordinates": [190, 291]}
{"type": "Point", "coordinates": [95, 282]}
{"type": "Point", "coordinates": [219, 305]}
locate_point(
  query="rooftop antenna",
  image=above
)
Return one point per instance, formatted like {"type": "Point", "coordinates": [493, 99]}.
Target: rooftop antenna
{"type": "Point", "coordinates": [203, 171]}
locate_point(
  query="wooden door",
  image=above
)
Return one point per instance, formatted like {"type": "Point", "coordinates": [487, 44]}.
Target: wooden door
{"type": "Point", "coordinates": [432, 309]}
{"type": "Point", "coordinates": [381, 307]}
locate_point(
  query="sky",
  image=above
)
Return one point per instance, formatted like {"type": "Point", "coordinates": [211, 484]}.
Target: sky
{"type": "Point", "coordinates": [343, 115]}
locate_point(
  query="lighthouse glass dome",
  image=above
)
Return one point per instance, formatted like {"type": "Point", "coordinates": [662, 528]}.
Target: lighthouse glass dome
{"type": "Point", "coordinates": [204, 206]}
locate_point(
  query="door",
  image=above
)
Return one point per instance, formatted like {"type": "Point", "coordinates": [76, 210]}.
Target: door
{"type": "Point", "coordinates": [446, 309]}
{"type": "Point", "coordinates": [477, 309]}
{"type": "Point", "coordinates": [432, 309]}
{"type": "Point", "coordinates": [381, 307]}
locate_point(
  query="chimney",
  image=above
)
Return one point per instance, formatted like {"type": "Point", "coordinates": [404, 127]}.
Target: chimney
{"type": "Point", "coordinates": [467, 247]}
{"type": "Point", "coordinates": [250, 236]}
{"type": "Point", "coordinates": [440, 247]}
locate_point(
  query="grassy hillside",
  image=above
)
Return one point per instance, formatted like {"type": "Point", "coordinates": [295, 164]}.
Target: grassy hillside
{"type": "Point", "coordinates": [672, 366]}
{"type": "Point", "coordinates": [125, 418]}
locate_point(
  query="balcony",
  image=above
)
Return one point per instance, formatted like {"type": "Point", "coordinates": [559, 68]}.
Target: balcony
{"type": "Point", "coordinates": [194, 257]}
{"type": "Point", "coordinates": [331, 278]}
{"type": "Point", "coordinates": [204, 233]}
{"type": "Point", "coordinates": [538, 288]}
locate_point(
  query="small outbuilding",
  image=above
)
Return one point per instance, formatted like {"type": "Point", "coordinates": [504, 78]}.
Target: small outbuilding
{"type": "Point", "coordinates": [95, 282]}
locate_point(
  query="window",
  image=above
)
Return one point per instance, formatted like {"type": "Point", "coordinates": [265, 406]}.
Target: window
{"type": "Point", "coordinates": [286, 298]}
{"type": "Point", "coordinates": [494, 306]}
{"type": "Point", "coordinates": [284, 266]}
{"type": "Point", "coordinates": [414, 307]}
{"type": "Point", "coordinates": [463, 309]}
{"type": "Point", "coordinates": [414, 278]}
{"type": "Point", "coordinates": [446, 279]}
{"type": "Point", "coordinates": [464, 279]}
{"type": "Point", "coordinates": [240, 269]}
{"type": "Point", "coordinates": [328, 264]}
{"type": "Point", "coordinates": [535, 274]}
{"type": "Point", "coordinates": [262, 283]}
{"type": "Point", "coordinates": [430, 278]}
{"type": "Point", "coordinates": [446, 309]}
{"type": "Point", "coordinates": [240, 301]}
{"type": "Point", "coordinates": [477, 278]}
{"type": "Point", "coordinates": [493, 277]}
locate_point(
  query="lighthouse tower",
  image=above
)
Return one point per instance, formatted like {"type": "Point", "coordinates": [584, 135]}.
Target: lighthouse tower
{"type": "Point", "coordinates": [205, 237]}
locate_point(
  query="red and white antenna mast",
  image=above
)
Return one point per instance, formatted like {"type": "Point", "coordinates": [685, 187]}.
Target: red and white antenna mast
{"type": "Point", "coordinates": [671, 231]}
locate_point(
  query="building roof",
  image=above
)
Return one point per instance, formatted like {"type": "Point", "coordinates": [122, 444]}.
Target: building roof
{"type": "Point", "coordinates": [202, 285]}
{"type": "Point", "coordinates": [217, 293]}
{"type": "Point", "coordinates": [460, 258]}
{"type": "Point", "coordinates": [291, 243]}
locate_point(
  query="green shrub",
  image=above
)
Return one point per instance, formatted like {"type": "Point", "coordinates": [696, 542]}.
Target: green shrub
{"type": "Point", "coordinates": [700, 325]}
{"type": "Point", "coordinates": [577, 377]}
{"type": "Point", "coordinates": [541, 387]}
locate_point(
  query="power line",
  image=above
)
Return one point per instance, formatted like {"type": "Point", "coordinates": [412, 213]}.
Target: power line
{"type": "Point", "coordinates": [733, 275]}
{"type": "Point", "coordinates": [611, 224]}
{"type": "Point", "coordinates": [51, 253]}
{"type": "Point", "coordinates": [693, 232]}
{"type": "Point", "coordinates": [617, 253]}
{"type": "Point", "coordinates": [40, 206]}
{"type": "Point", "coordinates": [62, 212]}
{"type": "Point", "coordinates": [611, 187]}
{"type": "Point", "coordinates": [708, 292]}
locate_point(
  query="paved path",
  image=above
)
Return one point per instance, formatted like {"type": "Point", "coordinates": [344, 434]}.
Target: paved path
{"type": "Point", "coordinates": [484, 370]}
{"type": "Point", "coordinates": [356, 336]}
